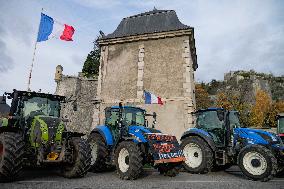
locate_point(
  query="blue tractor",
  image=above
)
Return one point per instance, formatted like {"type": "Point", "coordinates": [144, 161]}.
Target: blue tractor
{"type": "Point", "coordinates": [128, 143]}
{"type": "Point", "coordinates": [219, 141]}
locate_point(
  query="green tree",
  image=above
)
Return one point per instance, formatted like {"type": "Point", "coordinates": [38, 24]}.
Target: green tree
{"type": "Point", "coordinates": [92, 63]}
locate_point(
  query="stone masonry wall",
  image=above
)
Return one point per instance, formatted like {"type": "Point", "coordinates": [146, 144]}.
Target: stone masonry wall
{"type": "Point", "coordinates": [81, 93]}
{"type": "Point", "coordinates": [162, 67]}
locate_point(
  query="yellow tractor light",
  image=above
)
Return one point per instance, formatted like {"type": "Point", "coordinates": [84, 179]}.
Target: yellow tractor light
{"type": "Point", "coordinates": [52, 156]}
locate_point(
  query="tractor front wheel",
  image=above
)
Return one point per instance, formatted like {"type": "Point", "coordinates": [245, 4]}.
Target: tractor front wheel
{"type": "Point", "coordinates": [11, 156]}
{"type": "Point", "coordinates": [128, 160]}
{"type": "Point", "coordinates": [257, 163]}
{"type": "Point", "coordinates": [198, 155]}
{"type": "Point", "coordinates": [81, 155]}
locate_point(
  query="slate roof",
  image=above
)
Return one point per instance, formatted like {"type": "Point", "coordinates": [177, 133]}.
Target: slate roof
{"type": "Point", "coordinates": [149, 22]}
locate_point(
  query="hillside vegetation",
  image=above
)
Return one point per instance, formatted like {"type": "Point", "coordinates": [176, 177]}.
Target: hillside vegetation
{"type": "Point", "coordinates": [258, 97]}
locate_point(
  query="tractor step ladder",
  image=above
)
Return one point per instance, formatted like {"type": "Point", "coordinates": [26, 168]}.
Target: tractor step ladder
{"type": "Point", "coordinates": [220, 157]}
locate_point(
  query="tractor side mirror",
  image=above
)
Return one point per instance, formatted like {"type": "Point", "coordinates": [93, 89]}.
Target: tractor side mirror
{"type": "Point", "coordinates": [155, 119]}
{"type": "Point", "coordinates": [154, 115]}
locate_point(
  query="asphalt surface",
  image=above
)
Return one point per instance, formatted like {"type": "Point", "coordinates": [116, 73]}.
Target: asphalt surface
{"type": "Point", "coordinates": [229, 179]}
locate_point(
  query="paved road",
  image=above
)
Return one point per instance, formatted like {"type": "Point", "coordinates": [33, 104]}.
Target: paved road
{"type": "Point", "coordinates": [229, 179]}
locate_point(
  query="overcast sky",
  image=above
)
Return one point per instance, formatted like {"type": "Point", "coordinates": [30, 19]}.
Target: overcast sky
{"type": "Point", "coordinates": [230, 35]}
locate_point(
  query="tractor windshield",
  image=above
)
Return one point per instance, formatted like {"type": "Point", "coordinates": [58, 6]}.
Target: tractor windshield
{"type": "Point", "coordinates": [41, 106]}
{"type": "Point", "coordinates": [209, 120]}
{"type": "Point", "coordinates": [130, 116]}
{"type": "Point", "coordinates": [133, 116]}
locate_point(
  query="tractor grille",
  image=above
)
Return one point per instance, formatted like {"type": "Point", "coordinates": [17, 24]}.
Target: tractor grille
{"type": "Point", "coordinates": [52, 124]}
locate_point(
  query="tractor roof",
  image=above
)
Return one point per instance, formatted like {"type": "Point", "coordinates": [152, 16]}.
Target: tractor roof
{"type": "Point", "coordinates": [125, 107]}
{"type": "Point", "coordinates": [36, 94]}
{"type": "Point", "coordinates": [215, 109]}
{"type": "Point", "coordinates": [210, 109]}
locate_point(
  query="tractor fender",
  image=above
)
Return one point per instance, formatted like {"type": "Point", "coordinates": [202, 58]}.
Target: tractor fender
{"type": "Point", "coordinates": [202, 134]}
{"type": "Point", "coordinates": [105, 132]}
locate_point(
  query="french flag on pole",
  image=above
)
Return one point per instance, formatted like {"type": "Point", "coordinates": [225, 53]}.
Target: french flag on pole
{"type": "Point", "coordinates": [152, 99]}
{"type": "Point", "coordinates": [48, 29]}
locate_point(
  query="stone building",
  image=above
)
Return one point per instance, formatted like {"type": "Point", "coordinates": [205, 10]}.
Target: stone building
{"type": "Point", "coordinates": [152, 51]}
{"type": "Point", "coordinates": [80, 93]}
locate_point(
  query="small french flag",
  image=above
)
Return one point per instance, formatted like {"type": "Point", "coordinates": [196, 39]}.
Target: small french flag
{"type": "Point", "coordinates": [152, 99]}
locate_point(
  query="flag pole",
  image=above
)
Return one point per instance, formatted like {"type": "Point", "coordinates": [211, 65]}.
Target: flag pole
{"type": "Point", "coordinates": [33, 60]}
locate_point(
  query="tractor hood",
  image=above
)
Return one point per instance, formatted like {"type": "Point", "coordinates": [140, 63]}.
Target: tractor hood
{"type": "Point", "coordinates": [139, 131]}
{"type": "Point", "coordinates": [256, 136]}
{"type": "Point", "coordinates": [45, 129]}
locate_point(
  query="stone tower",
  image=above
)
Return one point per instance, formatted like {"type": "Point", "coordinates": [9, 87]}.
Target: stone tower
{"type": "Point", "coordinates": [152, 51]}
{"type": "Point", "coordinates": [58, 73]}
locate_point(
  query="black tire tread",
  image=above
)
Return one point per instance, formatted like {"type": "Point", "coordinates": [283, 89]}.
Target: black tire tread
{"type": "Point", "coordinates": [102, 155]}
{"type": "Point", "coordinates": [12, 163]}
{"type": "Point", "coordinates": [83, 161]}
{"type": "Point", "coordinates": [208, 155]}
{"type": "Point", "coordinates": [271, 157]}
{"type": "Point", "coordinates": [135, 161]}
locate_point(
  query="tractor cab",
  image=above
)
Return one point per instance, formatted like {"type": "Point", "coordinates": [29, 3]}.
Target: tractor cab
{"type": "Point", "coordinates": [218, 123]}
{"type": "Point", "coordinates": [26, 106]}
{"type": "Point", "coordinates": [129, 116]}
{"type": "Point", "coordinates": [280, 125]}
{"type": "Point", "coordinates": [119, 119]}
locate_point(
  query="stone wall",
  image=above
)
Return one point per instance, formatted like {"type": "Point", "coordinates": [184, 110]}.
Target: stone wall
{"type": "Point", "coordinates": [80, 93]}
{"type": "Point", "coordinates": [161, 66]}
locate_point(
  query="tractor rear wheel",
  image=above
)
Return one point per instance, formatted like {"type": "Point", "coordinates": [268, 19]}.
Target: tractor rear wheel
{"type": "Point", "coordinates": [257, 163]}
{"type": "Point", "coordinates": [11, 156]}
{"type": "Point", "coordinates": [128, 160]}
{"type": "Point", "coordinates": [198, 154]}
{"type": "Point", "coordinates": [81, 159]}
{"type": "Point", "coordinates": [99, 152]}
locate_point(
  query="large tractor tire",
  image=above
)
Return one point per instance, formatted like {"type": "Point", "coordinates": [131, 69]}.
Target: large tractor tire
{"type": "Point", "coordinates": [81, 159]}
{"type": "Point", "coordinates": [128, 160]}
{"type": "Point", "coordinates": [257, 163]}
{"type": "Point", "coordinates": [198, 154]}
{"type": "Point", "coordinates": [99, 153]}
{"type": "Point", "coordinates": [12, 149]}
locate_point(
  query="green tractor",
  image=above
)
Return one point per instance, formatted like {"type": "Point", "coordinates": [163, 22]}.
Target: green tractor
{"type": "Point", "coordinates": [33, 134]}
